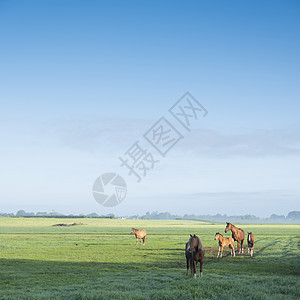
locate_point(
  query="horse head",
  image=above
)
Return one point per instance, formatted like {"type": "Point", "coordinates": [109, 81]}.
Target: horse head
{"type": "Point", "coordinates": [188, 245]}
{"type": "Point", "coordinates": [228, 227]}
{"type": "Point", "coordinates": [217, 235]}
{"type": "Point", "coordinates": [194, 242]}
{"type": "Point", "coordinates": [132, 231]}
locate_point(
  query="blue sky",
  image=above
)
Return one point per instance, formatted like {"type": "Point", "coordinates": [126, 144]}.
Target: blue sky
{"type": "Point", "coordinates": [82, 81]}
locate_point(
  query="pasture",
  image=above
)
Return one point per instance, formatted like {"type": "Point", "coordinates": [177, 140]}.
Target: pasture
{"type": "Point", "coordinates": [100, 260]}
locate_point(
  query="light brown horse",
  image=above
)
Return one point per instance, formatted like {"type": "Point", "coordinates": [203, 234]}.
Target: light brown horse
{"type": "Point", "coordinates": [238, 235]}
{"type": "Point", "coordinates": [139, 234]}
{"type": "Point", "coordinates": [250, 241]}
{"type": "Point", "coordinates": [225, 242]}
{"type": "Point", "coordinates": [194, 253]}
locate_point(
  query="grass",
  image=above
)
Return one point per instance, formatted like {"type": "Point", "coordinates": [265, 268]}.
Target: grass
{"type": "Point", "coordinates": [99, 260]}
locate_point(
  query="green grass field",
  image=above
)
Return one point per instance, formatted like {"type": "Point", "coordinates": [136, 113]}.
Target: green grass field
{"type": "Point", "coordinates": [39, 261]}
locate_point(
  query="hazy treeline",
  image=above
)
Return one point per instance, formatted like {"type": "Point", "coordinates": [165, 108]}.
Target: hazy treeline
{"type": "Point", "coordinates": [54, 214]}
{"type": "Point", "coordinates": [291, 217]}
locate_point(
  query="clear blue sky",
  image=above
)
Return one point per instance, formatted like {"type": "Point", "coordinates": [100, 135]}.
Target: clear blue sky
{"type": "Point", "coordinates": [81, 81]}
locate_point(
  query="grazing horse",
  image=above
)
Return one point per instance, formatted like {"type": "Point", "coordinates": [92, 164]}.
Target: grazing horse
{"type": "Point", "coordinates": [225, 242]}
{"type": "Point", "coordinates": [139, 234]}
{"type": "Point", "coordinates": [238, 235]}
{"type": "Point", "coordinates": [194, 253]}
{"type": "Point", "coordinates": [250, 241]}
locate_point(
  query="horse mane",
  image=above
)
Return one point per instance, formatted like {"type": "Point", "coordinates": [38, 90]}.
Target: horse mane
{"type": "Point", "coordinates": [200, 246]}
{"type": "Point", "coordinates": [234, 226]}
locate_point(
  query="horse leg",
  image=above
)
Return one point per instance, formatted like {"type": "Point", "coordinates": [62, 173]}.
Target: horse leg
{"type": "Point", "coordinates": [144, 240]}
{"type": "Point", "coordinates": [218, 252]}
{"type": "Point", "coordinates": [233, 249]}
{"type": "Point", "coordinates": [187, 266]}
{"type": "Point", "coordinates": [201, 265]}
{"type": "Point", "coordinates": [252, 251]}
{"type": "Point", "coordinates": [195, 265]}
{"type": "Point", "coordinates": [242, 243]}
{"type": "Point", "coordinates": [222, 251]}
{"type": "Point", "coordinates": [248, 250]}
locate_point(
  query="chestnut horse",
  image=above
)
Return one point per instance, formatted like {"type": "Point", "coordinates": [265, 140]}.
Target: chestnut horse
{"type": "Point", "coordinates": [238, 235]}
{"type": "Point", "coordinates": [139, 234]}
{"type": "Point", "coordinates": [194, 253]}
{"type": "Point", "coordinates": [250, 241]}
{"type": "Point", "coordinates": [225, 242]}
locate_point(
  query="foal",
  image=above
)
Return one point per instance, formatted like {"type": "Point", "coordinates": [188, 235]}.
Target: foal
{"type": "Point", "coordinates": [225, 242]}
{"type": "Point", "coordinates": [250, 241]}
{"type": "Point", "coordinates": [139, 234]}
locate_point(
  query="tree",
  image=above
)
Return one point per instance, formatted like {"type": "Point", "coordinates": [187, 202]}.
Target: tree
{"type": "Point", "coordinates": [277, 217]}
{"type": "Point", "coordinates": [21, 213]}
{"type": "Point", "coordinates": [41, 214]}
{"type": "Point", "coordinates": [293, 215]}
{"type": "Point", "coordinates": [29, 214]}
{"type": "Point", "coordinates": [93, 215]}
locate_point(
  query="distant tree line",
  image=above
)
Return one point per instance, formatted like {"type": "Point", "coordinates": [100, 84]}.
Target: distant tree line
{"type": "Point", "coordinates": [291, 216]}
{"type": "Point", "coordinates": [155, 215]}
{"type": "Point", "coordinates": [53, 214]}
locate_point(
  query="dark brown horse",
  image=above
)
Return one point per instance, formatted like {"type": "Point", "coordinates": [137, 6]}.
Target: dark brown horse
{"type": "Point", "coordinates": [250, 241]}
{"type": "Point", "coordinates": [194, 253]}
{"type": "Point", "coordinates": [238, 235]}
{"type": "Point", "coordinates": [139, 234]}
